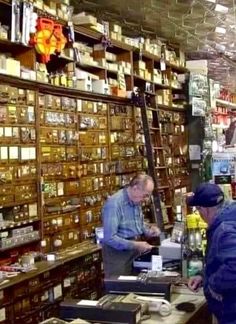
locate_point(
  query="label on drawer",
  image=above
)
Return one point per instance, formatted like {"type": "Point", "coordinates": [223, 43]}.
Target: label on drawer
{"type": "Point", "coordinates": [57, 291]}
{"type": "Point", "coordinates": [2, 314]}
{"type": "Point", "coordinates": [67, 282]}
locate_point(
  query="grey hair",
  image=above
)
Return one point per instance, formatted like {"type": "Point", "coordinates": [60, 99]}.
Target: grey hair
{"type": "Point", "coordinates": [140, 180]}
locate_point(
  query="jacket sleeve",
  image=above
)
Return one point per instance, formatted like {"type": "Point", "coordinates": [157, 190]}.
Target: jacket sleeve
{"type": "Point", "coordinates": [110, 217]}
{"type": "Point", "coordinates": [224, 278]}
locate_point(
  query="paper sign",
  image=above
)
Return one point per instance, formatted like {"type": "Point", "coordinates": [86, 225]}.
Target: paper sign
{"type": "Point", "coordinates": [86, 302]}
{"type": "Point", "coordinates": [131, 278]}
{"type": "Point", "coordinates": [194, 152]}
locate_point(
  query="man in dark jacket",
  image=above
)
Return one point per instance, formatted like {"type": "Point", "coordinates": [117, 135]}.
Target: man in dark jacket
{"type": "Point", "coordinates": [219, 279]}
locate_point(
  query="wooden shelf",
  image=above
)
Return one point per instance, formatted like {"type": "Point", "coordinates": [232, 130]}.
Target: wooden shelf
{"type": "Point", "coordinates": [19, 245]}
{"type": "Point", "coordinates": [19, 224]}
{"type": "Point", "coordinates": [7, 45]}
{"type": "Point", "coordinates": [45, 266]}
{"type": "Point", "coordinates": [90, 67]}
{"type": "Point", "coordinates": [161, 86]}
{"type": "Point", "coordinates": [59, 90]}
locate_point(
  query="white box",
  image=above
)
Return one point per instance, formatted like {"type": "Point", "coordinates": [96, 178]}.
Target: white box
{"type": "Point", "coordinates": [156, 262]}
{"type": "Point", "coordinates": [100, 86]}
{"type": "Point", "coordinates": [170, 250]}
{"type": "Point", "coordinates": [85, 85]}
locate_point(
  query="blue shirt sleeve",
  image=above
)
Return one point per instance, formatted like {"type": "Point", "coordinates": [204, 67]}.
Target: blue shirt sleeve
{"type": "Point", "coordinates": [224, 278]}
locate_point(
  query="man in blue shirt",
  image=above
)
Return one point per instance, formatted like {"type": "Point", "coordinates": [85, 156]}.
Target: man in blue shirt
{"type": "Point", "coordinates": [124, 226]}
{"type": "Point", "coordinates": [219, 277]}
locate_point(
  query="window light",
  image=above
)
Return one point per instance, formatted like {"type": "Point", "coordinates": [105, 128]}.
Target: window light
{"type": "Point", "coordinates": [221, 8]}
{"type": "Point", "coordinates": [220, 30]}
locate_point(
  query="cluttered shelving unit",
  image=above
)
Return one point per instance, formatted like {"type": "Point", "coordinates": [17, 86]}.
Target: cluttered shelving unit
{"type": "Point", "coordinates": [70, 134]}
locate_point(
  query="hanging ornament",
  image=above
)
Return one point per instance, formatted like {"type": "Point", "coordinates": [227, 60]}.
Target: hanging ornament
{"type": "Point", "coordinates": [61, 39]}
{"type": "Point", "coordinates": [48, 39]}
{"type": "Point", "coordinates": [44, 40]}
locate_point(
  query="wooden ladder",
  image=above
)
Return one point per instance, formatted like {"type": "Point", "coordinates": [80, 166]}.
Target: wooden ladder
{"type": "Point", "coordinates": [162, 195]}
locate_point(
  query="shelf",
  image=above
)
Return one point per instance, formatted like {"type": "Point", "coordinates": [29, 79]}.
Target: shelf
{"type": "Point", "coordinates": [161, 106]}
{"type": "Point", "coordinates": [6, 45]}
{"type": "Point", "coordinates": [137, 77]}
{"type": "Point", "coordinates": [19, 224]}
{"type": "Point", "coordinates": [59, 90]}
{"type": "Point", "coordinates": [170, 108]}
{"type": "Point", "coordinates": [19, 245]}
{"type": "Point", "coordinates": [95, 35]}
{"type": "Point", "coordinates": [162, 86]}
{"type": "Point", "coordinates": [226, 103]}
{"type": "Point", "coordinates": [177, 68]}
{"type": "Point", "coordinates": [90, 67]}
{"type": "Point", "coordinates": [19, 203]}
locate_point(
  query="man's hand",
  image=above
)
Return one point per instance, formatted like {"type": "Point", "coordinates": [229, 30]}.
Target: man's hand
{"type": "Point", "coordinates": [142, 246]}
{"type": "Point", "coordinates": [195, 283]}
{"type": "Point", "coordinates": [154, 231]}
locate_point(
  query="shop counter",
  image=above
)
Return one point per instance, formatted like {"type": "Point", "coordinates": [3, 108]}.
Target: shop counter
{"type": "Point", "coordinates": [199, 316]}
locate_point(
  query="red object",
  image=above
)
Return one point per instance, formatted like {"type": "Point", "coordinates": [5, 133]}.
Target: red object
{"type": "Point", "coordinates": [48, 39]}
{"type": "Point", "coordinates": [61, 39]}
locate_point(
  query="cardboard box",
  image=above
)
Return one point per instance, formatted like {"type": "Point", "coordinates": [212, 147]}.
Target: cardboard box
{"type": "Point", "coordinates": [118, 92]}
{"type": "Point", "coordinates": [83, 19]}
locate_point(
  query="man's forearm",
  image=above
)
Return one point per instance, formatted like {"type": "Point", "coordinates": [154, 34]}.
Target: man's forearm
{"type": "Point", "coordinates": [119, 243]}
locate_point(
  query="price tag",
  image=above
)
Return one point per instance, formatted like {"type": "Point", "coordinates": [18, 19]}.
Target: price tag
{"type": "Point", "coordinates": [163, 65]}
{"type": "Point", "coordinates": [2, 314]}
{"type": "Point", "coordinates": [57, 291]}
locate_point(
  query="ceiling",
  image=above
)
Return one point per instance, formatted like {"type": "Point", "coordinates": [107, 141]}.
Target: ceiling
{"type": "Point", "coordinates": [206, 29]}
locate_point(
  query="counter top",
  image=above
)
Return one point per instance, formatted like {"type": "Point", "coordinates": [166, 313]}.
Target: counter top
{"type": "Point", "coordinates": [180, 317]}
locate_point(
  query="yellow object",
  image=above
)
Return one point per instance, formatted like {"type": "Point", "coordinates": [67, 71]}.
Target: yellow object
{"type": "Point", "coordinates": [45, 42]}
{"type": "Point", "coordinates": [192, 221]}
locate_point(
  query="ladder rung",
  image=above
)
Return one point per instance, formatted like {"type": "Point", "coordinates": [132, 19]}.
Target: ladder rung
{"type": "Point", "coordinates": [154, 128]}
{"type": "Point", "coordinates": [162, 187]}
{"type": "Point", "coordinates": [150, 93]}
{"type": "Point", "coordinates": [161, 167]}
{"type": "Point", "coordinates": [158, 148]}
{"type": "Point", "coordinates": [168, 226]}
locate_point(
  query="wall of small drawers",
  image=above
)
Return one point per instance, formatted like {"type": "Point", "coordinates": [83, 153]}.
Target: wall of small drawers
{"type": "Point", "coordinates": [60, 157]}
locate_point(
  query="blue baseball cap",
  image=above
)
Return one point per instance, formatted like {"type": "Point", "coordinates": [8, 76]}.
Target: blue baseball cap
{"type": "Point", "coordinates": [206, 195]}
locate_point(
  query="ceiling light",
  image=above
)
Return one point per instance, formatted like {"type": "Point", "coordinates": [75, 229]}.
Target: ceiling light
{"type": "Point", "coordinates": [213, 1]}
{"type": "Point", "coordinates": [221, 8]}
{"type": "Point", "coordinates": [220, 30]}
